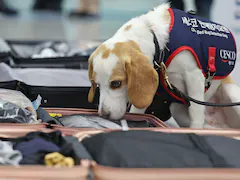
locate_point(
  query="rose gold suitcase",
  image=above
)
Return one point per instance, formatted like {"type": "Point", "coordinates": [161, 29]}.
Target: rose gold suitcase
{"type": "Point", "coordinates": [133, 117]}
{"type": "Point", "coordinates": [110, 173]}
{"type": "Point", "coordinates": [100, 172]}
{"type": "Point", "coordinates": [42, 172]}
{"type": "Point", "coordinates": [29, 172]}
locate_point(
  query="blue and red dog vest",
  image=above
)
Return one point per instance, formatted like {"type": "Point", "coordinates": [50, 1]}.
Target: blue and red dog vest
{"type": "Point", "coordinates": [212, 45]}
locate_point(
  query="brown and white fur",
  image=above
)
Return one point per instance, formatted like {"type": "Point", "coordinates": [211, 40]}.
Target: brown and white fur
{"type": "Point", "coordinates": [128, 57]}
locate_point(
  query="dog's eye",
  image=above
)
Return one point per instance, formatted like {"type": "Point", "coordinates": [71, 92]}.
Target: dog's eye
{"type": "Point", "coordinates": [116, 84]}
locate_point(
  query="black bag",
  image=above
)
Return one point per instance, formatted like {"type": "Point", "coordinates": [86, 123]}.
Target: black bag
{"type": "Point", "coordinates": [65, 97]}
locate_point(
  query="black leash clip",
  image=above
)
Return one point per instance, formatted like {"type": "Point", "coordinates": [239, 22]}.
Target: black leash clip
{"type": "Point", "coordinates": [209, 78]}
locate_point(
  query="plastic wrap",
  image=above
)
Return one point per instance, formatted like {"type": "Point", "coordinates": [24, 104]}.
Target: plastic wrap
{"type": "Point", "coordinates": [15, 106]}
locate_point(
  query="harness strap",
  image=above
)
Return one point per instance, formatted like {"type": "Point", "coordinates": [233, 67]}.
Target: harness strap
{"type": "Point", "coordinates": [211, 67]}
{"type": "Point", "coordinates": [212, 58]}
{"type": "Point", "coordinates": [160, 66]}
{"type": "Point", "coordinates": [157, 56]}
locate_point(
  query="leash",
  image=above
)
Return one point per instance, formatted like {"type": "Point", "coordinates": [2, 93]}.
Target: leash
{"type": "Point", "coordinates": [159, 65]}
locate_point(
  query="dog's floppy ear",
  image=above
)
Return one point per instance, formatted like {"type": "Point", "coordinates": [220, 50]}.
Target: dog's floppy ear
{"type": "Point", "coordinates": [91, 75]}
{"type": "Point", "coordinates": [142, 80]}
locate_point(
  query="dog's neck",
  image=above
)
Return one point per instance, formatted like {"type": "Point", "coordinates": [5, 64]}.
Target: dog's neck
{"type": "Point", "coordinates": [140, 29]}
{"type": "Point", "coordinates": [157, 22]}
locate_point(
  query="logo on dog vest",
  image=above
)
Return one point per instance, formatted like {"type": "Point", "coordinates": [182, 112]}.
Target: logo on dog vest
{"type": "Point", "coordinates": [227, 55]}
{"type": "Point", "coordinates": [193, 22]}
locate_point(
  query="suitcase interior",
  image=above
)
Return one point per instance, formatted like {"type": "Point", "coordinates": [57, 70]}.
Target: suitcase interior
{"type": "Point", "coordinates": [129, 117]}
{"type": "Point", "coordinates": [107, 173]}
{"type": "Point", "coordinates": [23, 61]}
{"type": "Point", "coordinates": [95, 171]}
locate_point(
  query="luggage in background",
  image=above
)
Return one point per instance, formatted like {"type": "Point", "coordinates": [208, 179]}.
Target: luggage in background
{"type": "Point", "coordinates": [58, 87]}
{"type": "Point", "coordinates": [50, 69]}
{"type": "Point", "coordinates": [47, 54]}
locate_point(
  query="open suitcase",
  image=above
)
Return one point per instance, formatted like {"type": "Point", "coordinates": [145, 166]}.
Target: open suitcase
{"type": "Point", "coordinates": [42, 172]}
{"type": "Point", "coordinates": [91, 170]}
{"type": "Point", "coordinates": [52, 76]}
{"type": "Point", "coordinates": [46, 54]}
{"type": "Point", "coordinates": [95, 171]}
{"type": "Point", "coordinates": [38, 171]}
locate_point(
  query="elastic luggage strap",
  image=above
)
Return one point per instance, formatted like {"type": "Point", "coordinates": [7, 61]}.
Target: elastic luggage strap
{"type": "Point", "coordinates": [124, 125]}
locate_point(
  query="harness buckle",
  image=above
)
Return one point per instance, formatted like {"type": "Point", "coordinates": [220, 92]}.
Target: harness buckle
{"type": "Point", "coordinates": [157, 66]}
{"type": "Point", "coordinates": [164, 71]}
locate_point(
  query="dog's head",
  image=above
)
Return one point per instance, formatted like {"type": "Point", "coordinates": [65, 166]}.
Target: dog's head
{"type": "Point", "coordinates": [124, 74]}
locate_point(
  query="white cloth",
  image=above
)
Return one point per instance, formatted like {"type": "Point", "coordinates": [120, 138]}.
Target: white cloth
{"type": "Point", "coordinates": [9, 156]}
{"type": "Point", "coordinates": [86, 121]}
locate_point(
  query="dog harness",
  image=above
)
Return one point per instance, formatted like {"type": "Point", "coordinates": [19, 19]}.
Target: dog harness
{"type": "Point", "coordinates": [212, 45]}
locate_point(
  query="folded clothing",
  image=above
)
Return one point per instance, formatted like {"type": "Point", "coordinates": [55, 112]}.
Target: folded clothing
{"type": "Point", "coordinates": [36, 145]}
{"type": "Point", "coordinates": [94, 121]}
{"type": "Point", "coordinates": [147, 149]}
{"type": "Point", "coordinates": [87, 121]}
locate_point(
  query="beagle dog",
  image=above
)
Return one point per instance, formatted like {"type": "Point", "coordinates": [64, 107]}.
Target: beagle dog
{"type": "Point", "coordinates": [123, 66]}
